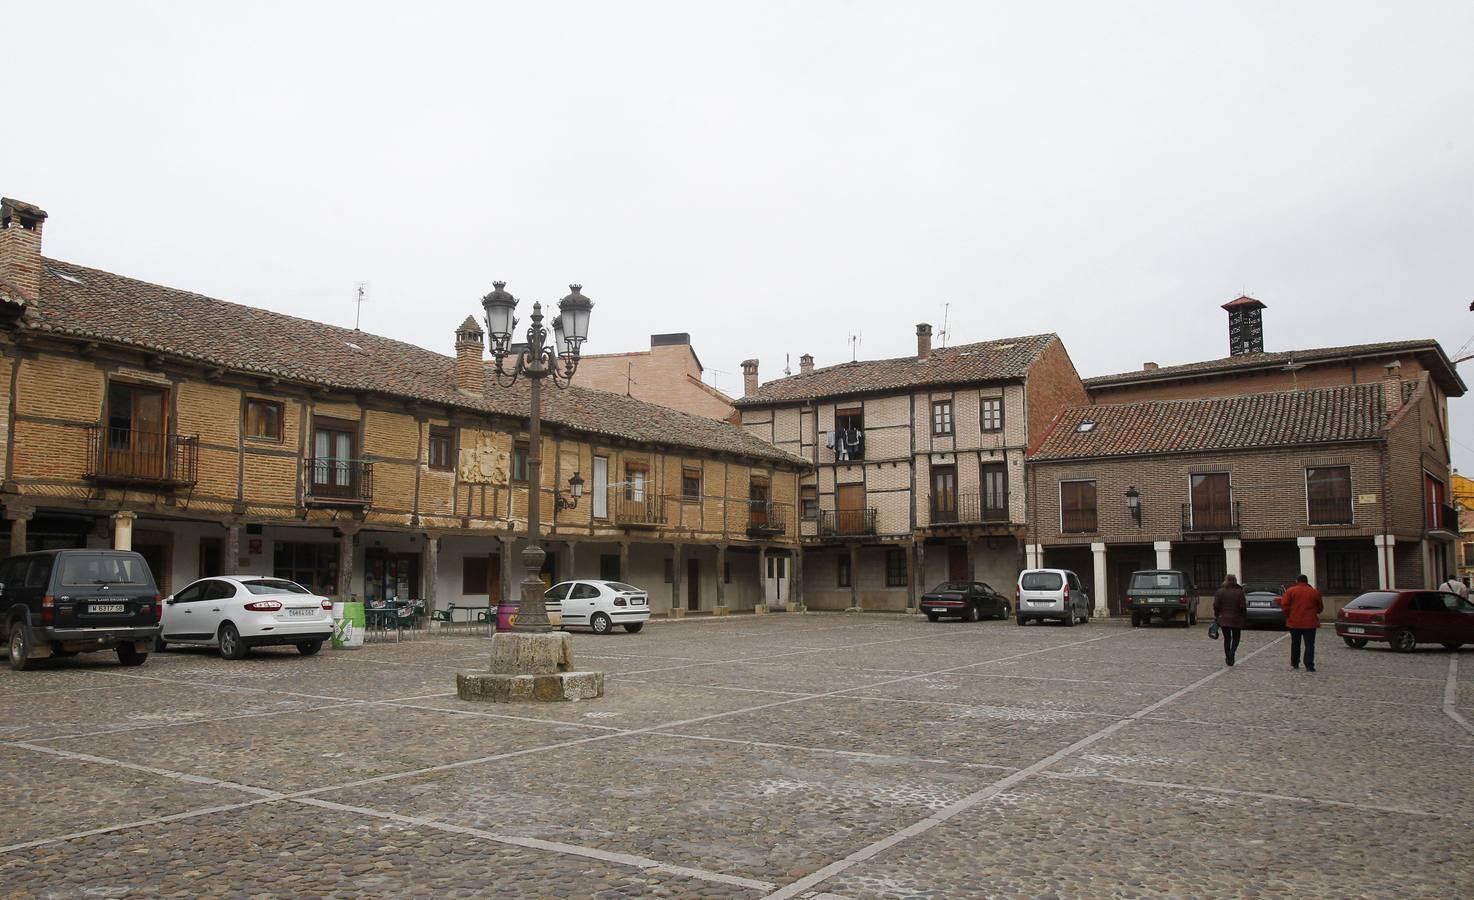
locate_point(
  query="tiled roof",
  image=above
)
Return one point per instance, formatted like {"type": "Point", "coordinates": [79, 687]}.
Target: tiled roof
{"type": "Point", "coordinates": [110, 308]}
{"type": "Point", "coordinates": [1353, 412]}
{"type": "Point", "coordinates": [984, 361]}
{"type": "Point", "coordinates": [1443, 370]}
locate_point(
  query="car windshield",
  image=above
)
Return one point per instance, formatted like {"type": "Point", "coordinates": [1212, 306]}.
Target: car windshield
{"type": "Point", "coordinates": [274, 586]}
{"type": "Point", "coordinates": [88, 570]}
{"type": "Point", "coordinates": [622, 588]}
{"type": "Point", "coordinates": [1041, 581]}
{"type": "Point", "coordinates": [1156, 581]}
{"type": "Point", "coordinates": [950, 587]}
{"type": "Point", "coordinates": [1374, 600]}
{"type": "Point", "coordinates": [1263, 589]}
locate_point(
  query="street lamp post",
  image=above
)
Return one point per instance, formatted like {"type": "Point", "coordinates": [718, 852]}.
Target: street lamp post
{"type": "Point", "coordinates": [532, 662]}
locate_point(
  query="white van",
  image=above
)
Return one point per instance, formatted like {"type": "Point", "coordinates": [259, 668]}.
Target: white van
{"type": "Point", "coordinates": [1051, 594]}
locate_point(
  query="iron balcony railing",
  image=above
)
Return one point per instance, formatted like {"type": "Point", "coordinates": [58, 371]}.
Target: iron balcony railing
{"type": "Point", "coordinates": [1214, 519]}
{"type": "Point", "coordinates": [1077, 521]}
{"type": "Point", "coordinates": [846, 522]}
{"type": "Point", "coordinates": [766, 517]}
{"type": "Point", "coordinates": [332, 479]}
{"type": "Point", "coordinates": [130, 456]}
{"type": "Point", "coordinates": [642, 512]}
{"type": "Point", "coordinates": [967, 509]}
{"type": "Point", "coordinates": [1332, 511]}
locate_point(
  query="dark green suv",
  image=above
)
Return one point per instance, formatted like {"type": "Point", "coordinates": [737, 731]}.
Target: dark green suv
{"type": "Point", "coordinates": [1166, 595]}
{"type": "Point", "coordinates": [65, 602]}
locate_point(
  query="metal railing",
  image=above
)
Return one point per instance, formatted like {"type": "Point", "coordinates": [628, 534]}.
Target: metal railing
{"type": "Point", "coordinates": [1079, 521]}
{"type": "Point", "coordinates": [127, 455]}
{"type": "Point", "coordinates": [766, 517]}
{"type": "Point", "coordinates": [968, 509]}
{"type": "Point", "coordinates": [648, 511]}
{"type": "Point", "coordinates": [846, 522]}
{"type": "Point", "coordinates": [1333, 511]}
{"type": "Point", "coordinates": [1210, 519]}
{"type": "Point", "coordinates": [337, 480]}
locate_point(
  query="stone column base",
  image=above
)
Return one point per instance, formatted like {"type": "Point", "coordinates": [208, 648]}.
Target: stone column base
{"type": "Point", "coordinates": [677, 612]}
{"type": "Point", "coordinates": [854, 609]}
{"type": "Point", "coordinates": [760, 610]}
{"type": "Point", "coordinates": [913, 610]}
{"type": "Point", "coordinates": [793, 607]}
{"type": "Point", "coordinates": [722, 611]}
{"type": "Point", "coordinates": [491, 687]}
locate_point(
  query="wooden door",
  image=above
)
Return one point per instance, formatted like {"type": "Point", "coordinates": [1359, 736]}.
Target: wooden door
{"type": "Point", "coordinates": [137, 431]}
{"type": "Point", "coordinates": [957, 563]}
{"type": "Point", "coordinates": [944, 494]}
{"type": "Point", "coordinates": [693, 583]}
{"type": "Point", "coordinates": [1210, 502]}
{"type": "Point", "coordinates": [850, 501]}
{"type": "Point", "coordinates": [212, 557]}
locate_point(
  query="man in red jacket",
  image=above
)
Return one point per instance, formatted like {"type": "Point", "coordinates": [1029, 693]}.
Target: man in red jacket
{"type": "Point", "coordinates": [1302, 606]}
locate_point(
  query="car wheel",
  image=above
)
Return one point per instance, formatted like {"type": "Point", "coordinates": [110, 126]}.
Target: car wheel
{"type": "Point", "coordinates": [1003, 611]}
{"type": "Point", "coordinates": [1020, 619]}
{"type": "Point", "coordinates": [634, 627]}
{"type": "Point", "coordinates": [231, 645]}
{"type": "Point", "coordinates": [973, 615]}
{"type": "Point", "coordinates": [308, 648]}
{"type": "Point", "coordinates": [1356, 643]}
{"type": "Point", "coordinates": [1453, 645]}
{"type": "Point", "coordinates": [159, 645]}
{"type": "Point", "coordinates": [601, 623]}
{"type": "Point", "coordinates": [20, 647]}
{"type": "Point", "coordinates": [1135, 620]}
{"type": "Point", "coordinates": [1403, 640]}
{"type": "Point", "coordinates": [130, 655]}
{"type": "Point", "coordinates": [1070, 619]}
{"type": "Point", "coordinates": [932, 617]}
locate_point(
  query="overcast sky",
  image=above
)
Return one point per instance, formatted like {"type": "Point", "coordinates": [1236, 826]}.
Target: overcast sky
{"type": "Point", "coordinates": [772, 177]}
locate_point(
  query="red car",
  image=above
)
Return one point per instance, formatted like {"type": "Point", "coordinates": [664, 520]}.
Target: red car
{"type": "Point", "coordinates": [1405, 619]}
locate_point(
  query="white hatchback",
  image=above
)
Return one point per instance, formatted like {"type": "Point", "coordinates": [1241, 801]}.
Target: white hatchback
{"type": "Point", "coordinates": [238, 612]}
{"type": "Point", "coordinates": [599, 604]}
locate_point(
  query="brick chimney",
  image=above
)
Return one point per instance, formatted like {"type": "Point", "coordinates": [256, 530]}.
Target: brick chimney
{"type": "Point", "coordinates": [923, 341]}
{"type": "Point", "coordinates": [470, 360]}
{"type": "Point", "coordinates": [749, 377]}
{"type": "Point", "coordinates": [1148, 367]}
{"type": "Point", "coordinates": [1392, 388]}
{"type": "Point", "coordinates": [20, 246]}
{"type": "Point", "coordinates": [806, 364]}
{"type": "Point", "coordinates": [1245, 326]}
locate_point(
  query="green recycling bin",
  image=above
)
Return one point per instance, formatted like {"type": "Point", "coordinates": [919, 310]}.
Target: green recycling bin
{"type": "Point", "coordinates": [348, 625]}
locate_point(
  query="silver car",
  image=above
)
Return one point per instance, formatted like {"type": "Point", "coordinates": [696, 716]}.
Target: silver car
{"type": "Point", "coordinates": [1051, 594]}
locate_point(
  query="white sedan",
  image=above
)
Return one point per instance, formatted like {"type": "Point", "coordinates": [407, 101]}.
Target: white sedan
{"type": "Point", "coordinates": [238, 612]}
{"type": "Point", "coordinates": [599, 604]}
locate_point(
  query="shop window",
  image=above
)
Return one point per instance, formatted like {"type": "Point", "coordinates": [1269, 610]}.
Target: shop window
{"type": "Point", "coordinates": [312, 565]}
{"type": "Point", "coordinates": [1343, 572]}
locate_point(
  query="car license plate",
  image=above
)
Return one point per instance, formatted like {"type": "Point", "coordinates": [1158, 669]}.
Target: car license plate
{"type": "Point", "coordinates": [1354, 630]}
{"type": "Point", "coordinates": [1260, 603]}
{"type": "Point", "coordinates": [302, 611]}
{"type": "Point", "coordinates": [106, 607]}
{"type": "Point", "coordinates": [638, 601]}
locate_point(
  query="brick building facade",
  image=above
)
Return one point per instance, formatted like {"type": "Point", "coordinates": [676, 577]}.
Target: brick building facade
{"type": "Point", "coordinates": [919, 462]}
{"type": "Point", "coordinates": [668, 374]}
{"type": "Point", "coordinates": [218, 438]}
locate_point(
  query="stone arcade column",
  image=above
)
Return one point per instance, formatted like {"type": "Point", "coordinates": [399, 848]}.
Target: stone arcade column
{"type": "Point", "coordinates": [123, 530]}
{"type": "Point", "coordinates": [762, 581]}
{"type": "Point", "coordinates": [911, 576]}
{"type": "Point", "coordinates": [853, 549]}
{"type": "Point", "coordinates": [20, 517]}
{"type": "Point", "coordinates": [1233, 558]}
{"type": "Point", "coordinates": [1307, 557]}
{"type": "Point", "coordinates": [1102, 600]}
{"type": "Point", "coordinates": [1386, 562]}
{"type": "Point", "coordinates": [796, 582]}
{"type": "Point", "coordinates": [677, 607]}
{"type": "Point", "coordinates": [1164, 554]}
{"type": "Point", "coordinates": [346, 534]}
{"type": "Point", "coordinates": [624, 560]}
{"type": "Point", "coordinates": [430, 571]}
{"type": "Point", "coordinates": [232, 561]}
{"type": "Point", "coordinates": [721, 608]}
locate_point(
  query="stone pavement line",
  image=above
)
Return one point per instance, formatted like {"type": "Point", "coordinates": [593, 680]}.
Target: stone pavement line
{"type": "Point", "coordinates": [622, 859]}
{"type": "Point", "coordinates": [140, 823]}
{"type": "Point", "coordinates": [788, 653]}
{"type": "Point", "coordinates": [1451, 695]}
{"type": "Point", "coordinates": [1261, 795]}
{"type": "Point", "coordinates": [921, 827]}
{"type": "Point", "coordinates": [150, 770]}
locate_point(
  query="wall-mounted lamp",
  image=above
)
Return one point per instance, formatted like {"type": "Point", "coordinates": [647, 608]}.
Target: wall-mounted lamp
{"type": "Point", "coordinates": [1133, 503]}
{"type": "Point", "coordinates": [575, 490]}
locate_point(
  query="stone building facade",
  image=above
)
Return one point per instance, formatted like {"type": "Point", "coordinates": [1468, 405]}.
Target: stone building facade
{"type": "Point", "coordinates": [668, 374]}
{"type": "Point", "coordinates": [934, 488]}
{"type": "Point", "coordinates": [216, 438]}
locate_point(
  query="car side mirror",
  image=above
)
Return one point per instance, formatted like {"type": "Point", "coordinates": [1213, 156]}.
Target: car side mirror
{"type": "Point", "coordinates": [2, 587]}
{"type": "Point", "coordinates": [169, 600]}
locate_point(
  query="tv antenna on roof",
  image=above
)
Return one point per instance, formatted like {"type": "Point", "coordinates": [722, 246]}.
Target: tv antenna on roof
{"type": "Point", "coordinates": [787, 364]}
{"type": "Point", "coordinates": [946, 309]}
{"type": "Point", "coordinates": [358, 313]}
{"type": "Point", "coordinates": [854, 340]}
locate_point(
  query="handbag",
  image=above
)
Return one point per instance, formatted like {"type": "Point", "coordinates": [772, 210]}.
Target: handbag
{"type": "Point", "coordinates": [1213, 631]}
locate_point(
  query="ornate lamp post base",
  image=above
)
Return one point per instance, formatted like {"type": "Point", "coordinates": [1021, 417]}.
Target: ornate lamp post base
{"type": "Point", "coordinates": [527, 664]}
{"type": "Point", "coordinates": [530, 667]}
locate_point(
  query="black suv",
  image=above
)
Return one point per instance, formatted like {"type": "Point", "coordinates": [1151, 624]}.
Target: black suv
{"type": "Point", "coordinates": [64, 602]}
{"type": "Point", "coordinates": [1162, 594]}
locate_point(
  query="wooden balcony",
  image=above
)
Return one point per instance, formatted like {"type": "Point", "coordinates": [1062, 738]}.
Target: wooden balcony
{"type": "Point", "coordinates": [333, 481]}
{"type": "Point", "coordinates": [765, 518]}
{"type": "Point", "coordinates": [1217, 519]}
{"type": "Point", "coordinates": [846, 522]}
{"type": "Point", "coordinates": [129, 456]}
{"type": "Point", "coordinates": [648, 512]}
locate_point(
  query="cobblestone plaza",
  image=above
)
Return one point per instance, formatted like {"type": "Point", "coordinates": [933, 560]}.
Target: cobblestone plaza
{"type": "Point", "coordinates": [789, 756]}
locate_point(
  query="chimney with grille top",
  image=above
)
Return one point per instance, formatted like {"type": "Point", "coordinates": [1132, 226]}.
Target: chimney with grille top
{"type": "Point", "coordinates": [470, 359]}
{"type": "Point", "coordinates": [749, 377]}
{"type": "Point", "coordinates": [1392, 388]}
{"type": "Point", "coordinates": [806, 364]}
{"type": "Point", "coordinates": [923, 341]}
{"type": "Point", "coordinates": [20, 246]}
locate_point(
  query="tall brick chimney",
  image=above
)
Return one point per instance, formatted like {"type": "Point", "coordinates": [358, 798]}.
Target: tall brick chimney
{"type": "Point", "coordinates": [806, 364]}
{"type": "Point", "coordinates": [1392, 388]}
{"type": "Point", "coordinates": [20, 246]}
{"type": "Point", "coordinates": [923, 341]}
{"type": "Point", "coordinates": [749, 377]}
{"type": "Point", "coordinates": [470, 360]}
{"type": "Point", "coordinates": [1245, 326]}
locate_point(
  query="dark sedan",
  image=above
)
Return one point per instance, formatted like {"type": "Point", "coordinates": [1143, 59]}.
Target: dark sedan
{"type": "Point", "coordinates": [1264, 603]}
{"type": "Point", "coordinates": [966, 600]}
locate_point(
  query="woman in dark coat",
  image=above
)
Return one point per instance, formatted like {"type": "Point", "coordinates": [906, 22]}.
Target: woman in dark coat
{"type": "Point", "coordinates": [1231, 612]}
